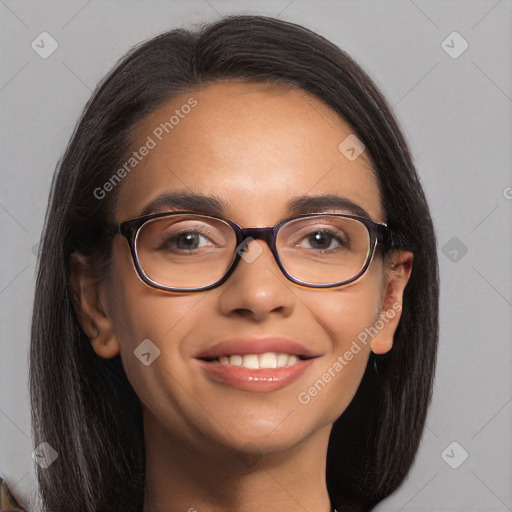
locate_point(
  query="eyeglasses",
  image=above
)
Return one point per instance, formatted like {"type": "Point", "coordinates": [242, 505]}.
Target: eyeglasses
{"type": "Point", "coordinates": [186, 251]}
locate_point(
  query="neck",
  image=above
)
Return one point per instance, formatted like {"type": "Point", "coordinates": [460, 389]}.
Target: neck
{"type": "Point", "coordinates": [202, 477]}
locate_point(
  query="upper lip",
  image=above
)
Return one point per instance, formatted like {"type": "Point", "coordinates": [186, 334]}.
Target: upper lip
{"type": "Point", "coordinates": [255, 345]}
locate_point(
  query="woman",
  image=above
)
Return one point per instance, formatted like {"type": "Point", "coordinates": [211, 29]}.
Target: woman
{"type": "Point", "coordinates": [184, 358]}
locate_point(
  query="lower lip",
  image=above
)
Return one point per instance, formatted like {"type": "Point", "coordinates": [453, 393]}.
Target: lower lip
{"type": "Point", "coordinates": [248, 379]}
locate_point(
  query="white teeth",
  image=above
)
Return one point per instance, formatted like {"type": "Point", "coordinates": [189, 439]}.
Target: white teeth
{"type": "Point", "coordinates": [292, 360]}
{"type": "Point", "coordinates": [267, 360]}
{"type": "Point", "coordinates": [236, 360]}
{"type": "Point", "coordinates": [257, 361]}
{"type": "Point", "coordinates": [282, 360]}
{"type": "Point", "coordinates": [250, 361]}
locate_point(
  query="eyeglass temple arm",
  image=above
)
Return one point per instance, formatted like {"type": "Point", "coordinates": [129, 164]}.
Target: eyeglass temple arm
{"type": "Point", "coordinates": [389, 238]}
{"type": "Point", "coordinates": [124, 229]}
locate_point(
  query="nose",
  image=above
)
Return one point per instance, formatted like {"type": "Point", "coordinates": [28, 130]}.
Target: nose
{"type": "Point", "coordinates": [257, 286]}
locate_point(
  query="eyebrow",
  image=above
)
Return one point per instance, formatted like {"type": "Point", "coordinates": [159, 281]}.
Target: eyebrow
{"type": "Point", "coordinates": [214, 205]}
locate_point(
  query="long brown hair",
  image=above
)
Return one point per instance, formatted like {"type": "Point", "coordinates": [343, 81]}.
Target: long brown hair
{"type": "Point", "coordinates": [84, 406]}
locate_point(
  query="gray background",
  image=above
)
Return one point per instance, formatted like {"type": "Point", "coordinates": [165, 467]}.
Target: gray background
{"type": "Point", "coordinates": [456, 115]}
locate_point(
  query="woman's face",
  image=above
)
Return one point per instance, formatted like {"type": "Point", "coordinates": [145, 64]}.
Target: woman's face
{"type": "Point", "coordinates": [255, 149]}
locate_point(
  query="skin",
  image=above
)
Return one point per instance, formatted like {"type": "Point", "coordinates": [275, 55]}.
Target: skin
{"type": "Point", "coordinates": [209, 446]}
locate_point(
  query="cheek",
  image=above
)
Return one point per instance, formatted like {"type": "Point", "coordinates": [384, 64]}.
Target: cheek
{"type": "Point", "coordinates": [141, 312]}
{"type": "Point", "coordinates": [346, 312]}
{"type": "Point", "coordinates": [145, 321]}
{"type": "Point", "coordinates": [160, 322]}
{"type": "Point", "coordinates": [344, 315]}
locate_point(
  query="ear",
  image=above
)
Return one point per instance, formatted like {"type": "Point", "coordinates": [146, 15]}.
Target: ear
{"type": "Point", "coordinates": [398, 273]}
{"type": "Point", "coordinates": [90, 307]}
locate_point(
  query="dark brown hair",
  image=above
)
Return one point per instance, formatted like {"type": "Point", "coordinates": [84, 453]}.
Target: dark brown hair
{"type": "Point", "coordinates": [84, 406]}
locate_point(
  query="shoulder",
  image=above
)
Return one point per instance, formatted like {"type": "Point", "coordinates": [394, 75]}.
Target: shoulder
{"type": "Point", "coordinates": [8, 502]}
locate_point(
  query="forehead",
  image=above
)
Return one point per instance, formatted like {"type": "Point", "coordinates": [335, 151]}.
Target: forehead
{"type": "Point", "coordinates": [254, 147]}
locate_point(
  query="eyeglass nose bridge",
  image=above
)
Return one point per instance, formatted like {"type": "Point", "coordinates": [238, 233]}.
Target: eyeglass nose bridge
{"type": "Point", "coordinates": [246, 235]}
{"type": "Point", "coordinates": [266, 234]}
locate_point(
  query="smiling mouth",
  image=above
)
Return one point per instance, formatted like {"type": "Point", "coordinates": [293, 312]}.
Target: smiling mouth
{"type": "Point", "coordinates": [257, 361]}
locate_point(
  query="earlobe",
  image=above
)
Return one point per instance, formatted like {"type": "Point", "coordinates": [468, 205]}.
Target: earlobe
{"type": "Point", "coordinates": [399, 272]}
{"type": "Point", "coordinates": [91, 314]}
{"type": "Point", "coordinates": [105, 345]}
